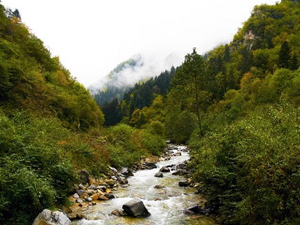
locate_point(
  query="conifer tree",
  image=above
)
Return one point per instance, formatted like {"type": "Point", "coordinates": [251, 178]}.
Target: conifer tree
{"type": "Point", "coordinates": [284, 55]}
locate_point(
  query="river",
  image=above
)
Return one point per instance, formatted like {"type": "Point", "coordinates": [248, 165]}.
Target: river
{"type": "Point", "coordinates": [166, 205]}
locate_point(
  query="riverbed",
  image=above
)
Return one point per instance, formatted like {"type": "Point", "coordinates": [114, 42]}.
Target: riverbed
{"type": "Point", "coordinates": [165, 204]}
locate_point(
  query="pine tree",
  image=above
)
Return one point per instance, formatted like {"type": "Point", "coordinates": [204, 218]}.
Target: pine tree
{"type": "Point", "coordinates": [284, 55]}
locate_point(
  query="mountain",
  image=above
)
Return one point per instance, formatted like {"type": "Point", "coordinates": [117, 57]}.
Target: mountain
{"type": "Point", "coordinates": [137, 97]}
{"type": "Point", "coordinates": [137, 69]}
{"type": "Point", "coordinates": [118, 80]}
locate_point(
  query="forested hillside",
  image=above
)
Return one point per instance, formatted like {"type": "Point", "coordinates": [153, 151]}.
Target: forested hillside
{"type": "Point", "coordinates": [117, 82]}
{"type": "Point", "coordinates": [244, 100]}
{"type": "Point", "coordinates": [133, 107]}
{"type": "Point", "coordinates": [51, 128]}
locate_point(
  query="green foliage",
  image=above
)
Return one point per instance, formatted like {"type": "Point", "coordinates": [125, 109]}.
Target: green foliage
{"type": "Point", "coordinates": [33, 81]}
{"type": "Point", "coordinates": [127, 144]}
{"type": "Point", "coordinates": [136, 100]}
{"type": "Point", "coordinates": [180, 126]}
{"type": "Point", "coordinates": [157, 128]}
{"type": "Point", "coordinates": [39, 163]}
{"type": "Point", "coordinates": [284, 55]}
{"type": "Point", "coordinates": [193, 84]}
{"type": "Point", "coordinates": [250, 168]}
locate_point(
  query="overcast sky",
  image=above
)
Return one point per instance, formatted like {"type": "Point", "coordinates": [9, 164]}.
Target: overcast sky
{"type": "Point", "coordinates": [91, 37]}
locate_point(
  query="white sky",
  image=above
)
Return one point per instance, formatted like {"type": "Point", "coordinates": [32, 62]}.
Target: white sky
{"type": "Point", "coordinates": [92, 37]}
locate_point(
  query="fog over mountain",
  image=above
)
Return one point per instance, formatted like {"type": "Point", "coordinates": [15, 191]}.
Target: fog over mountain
{"type": "Point", "coordinates": [137, 68]}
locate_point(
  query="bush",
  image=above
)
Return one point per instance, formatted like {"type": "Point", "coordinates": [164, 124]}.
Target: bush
{"type": "Point", "coordinates": [126, 145]}
{"type": "Point", "coordinates": [180, 126]}
{"type": "Point", "coordinates": [157, 128]}
{"type": "Point", "coordinates": [39, 163]}
{"type": "Point", "coordinates": [154, 144]}
{"type": "Point", "coordinates": [250, 169]}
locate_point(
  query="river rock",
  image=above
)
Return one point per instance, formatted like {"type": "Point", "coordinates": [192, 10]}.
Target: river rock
{"type": "Point", "coordinates": [79, 200]}
{"type": "Point", "coordinates": [177, 154]}
{"type": "Point", "coordinates": [111, 182]}
{"type": "Point", "coordinates": [181, 166]}
{"type": "Point", "coordinates": [159, 174]}
{"type": "Point", "coordinates": [92, 187]}
{"type": "Point", "coordinates": [109, 196]}
{"type": "Point", "coordinates": [114, 170]}
{"type": "Point", "coordinates": [76, 216]}
{"type": "Point", "coordinates": [164, 169]}
{"type": "Point", "coordinates": [46, 217]}
{"type": "Point", "coordinates": [114, 178]}
{"type": "Point", "coordinates": [79, 192]}
{"type": "Point", "coordinates": [89, 199]}
{"type": "Point", "coordinates": [122, 180]}
{"type": "Point", "coordinates": [184, 183]}
{"type": "Point", "coordinates": [135, 208]}
{"type": "Point", "coordinates": [102, 197]}
{"type": "Point", "coordinates": [181, 172]}
{"type": "Point", "coordinates": [117, 212]}
{"type": "Point", "coordinates": [90, 192]}
{"type": "Point", "coordinates": [84, 176]}
{"type": "Point", "coordinates": [126, 172]}
{"type": "Point", "coordinates": [76, 196]}
{"type": "Point", "coordinates": [150, 165]}
{"type": "Point", "coordinates": [196, 209]}
{"type": "Point", "coordinates": [96, 196]}
{"type": "Point", "coordinates": [159, 186]}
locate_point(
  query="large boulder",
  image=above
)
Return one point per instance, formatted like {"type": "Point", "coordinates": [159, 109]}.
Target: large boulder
{"type": "Point", "coordinates": [150, 165]}
{"type": "Point", "coordinates": [164, 169]}
{"type": "Point", "coordinates": [181, 172]}
{"type": "Point", "coordinates": [184, 183]}
{"type": "Point", "coordinates": [126, 172]}
{"type": "Point", "coordinates": [46, 217]}
{"type": "Point", "coordinates": [135, 208]}
{"type": "Point", "coordinates": [159, 174]}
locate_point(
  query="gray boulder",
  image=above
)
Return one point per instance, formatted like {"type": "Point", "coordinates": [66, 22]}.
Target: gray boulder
{"type": "Point", "coordinates": [46, 217]}
{"type": "Point", "coordinates": [135, 208]}
{"type": "Point", "coordinates": [150, 165]}
{"type": "Point", "coordinates": [164, 169]}
{"type": "Point", "coordinates": [159, 174]}
{"type": "Point", "coordinates": [126, 171]}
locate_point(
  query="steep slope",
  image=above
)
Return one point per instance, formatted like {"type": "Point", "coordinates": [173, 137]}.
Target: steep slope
{"type": "Point", "coordinates": [244, 100]}
{"type": "Point", "coordinates": [118, 80]}
{"type": "Point", "coordinates": [41, 106]}
{"type": "Point", "coordinates": [141, 95]}
{"type": "Point", "coordinates": [32, 80]}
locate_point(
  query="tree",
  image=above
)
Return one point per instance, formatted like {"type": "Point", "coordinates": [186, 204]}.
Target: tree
{"type": "Point", "coordinates": [191, 84]}
{"type": "Point", "coordinates": [284, 55]}
{"type": "Point", "coordinates": [112, 112]}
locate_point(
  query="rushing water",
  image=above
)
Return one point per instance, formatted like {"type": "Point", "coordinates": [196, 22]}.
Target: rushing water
{"type": "Point", "coordinates": [166, 205]}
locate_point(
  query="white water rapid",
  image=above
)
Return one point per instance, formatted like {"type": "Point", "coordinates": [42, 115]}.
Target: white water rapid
{"type": "Point", "coordinates": [166, 205]}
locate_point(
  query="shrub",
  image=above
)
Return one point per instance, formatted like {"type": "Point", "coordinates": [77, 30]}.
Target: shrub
{"type": "Point", "coordinates": [249, 169]}
{"type": "Point", "coordinates": [154, 144]}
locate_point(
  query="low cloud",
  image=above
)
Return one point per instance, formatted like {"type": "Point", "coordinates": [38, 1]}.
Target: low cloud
{"type": "Point", "coordinates": [146, 65]}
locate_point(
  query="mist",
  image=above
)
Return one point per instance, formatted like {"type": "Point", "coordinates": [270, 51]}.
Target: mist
{"type": "Point", "coordinates": [147, 65]}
